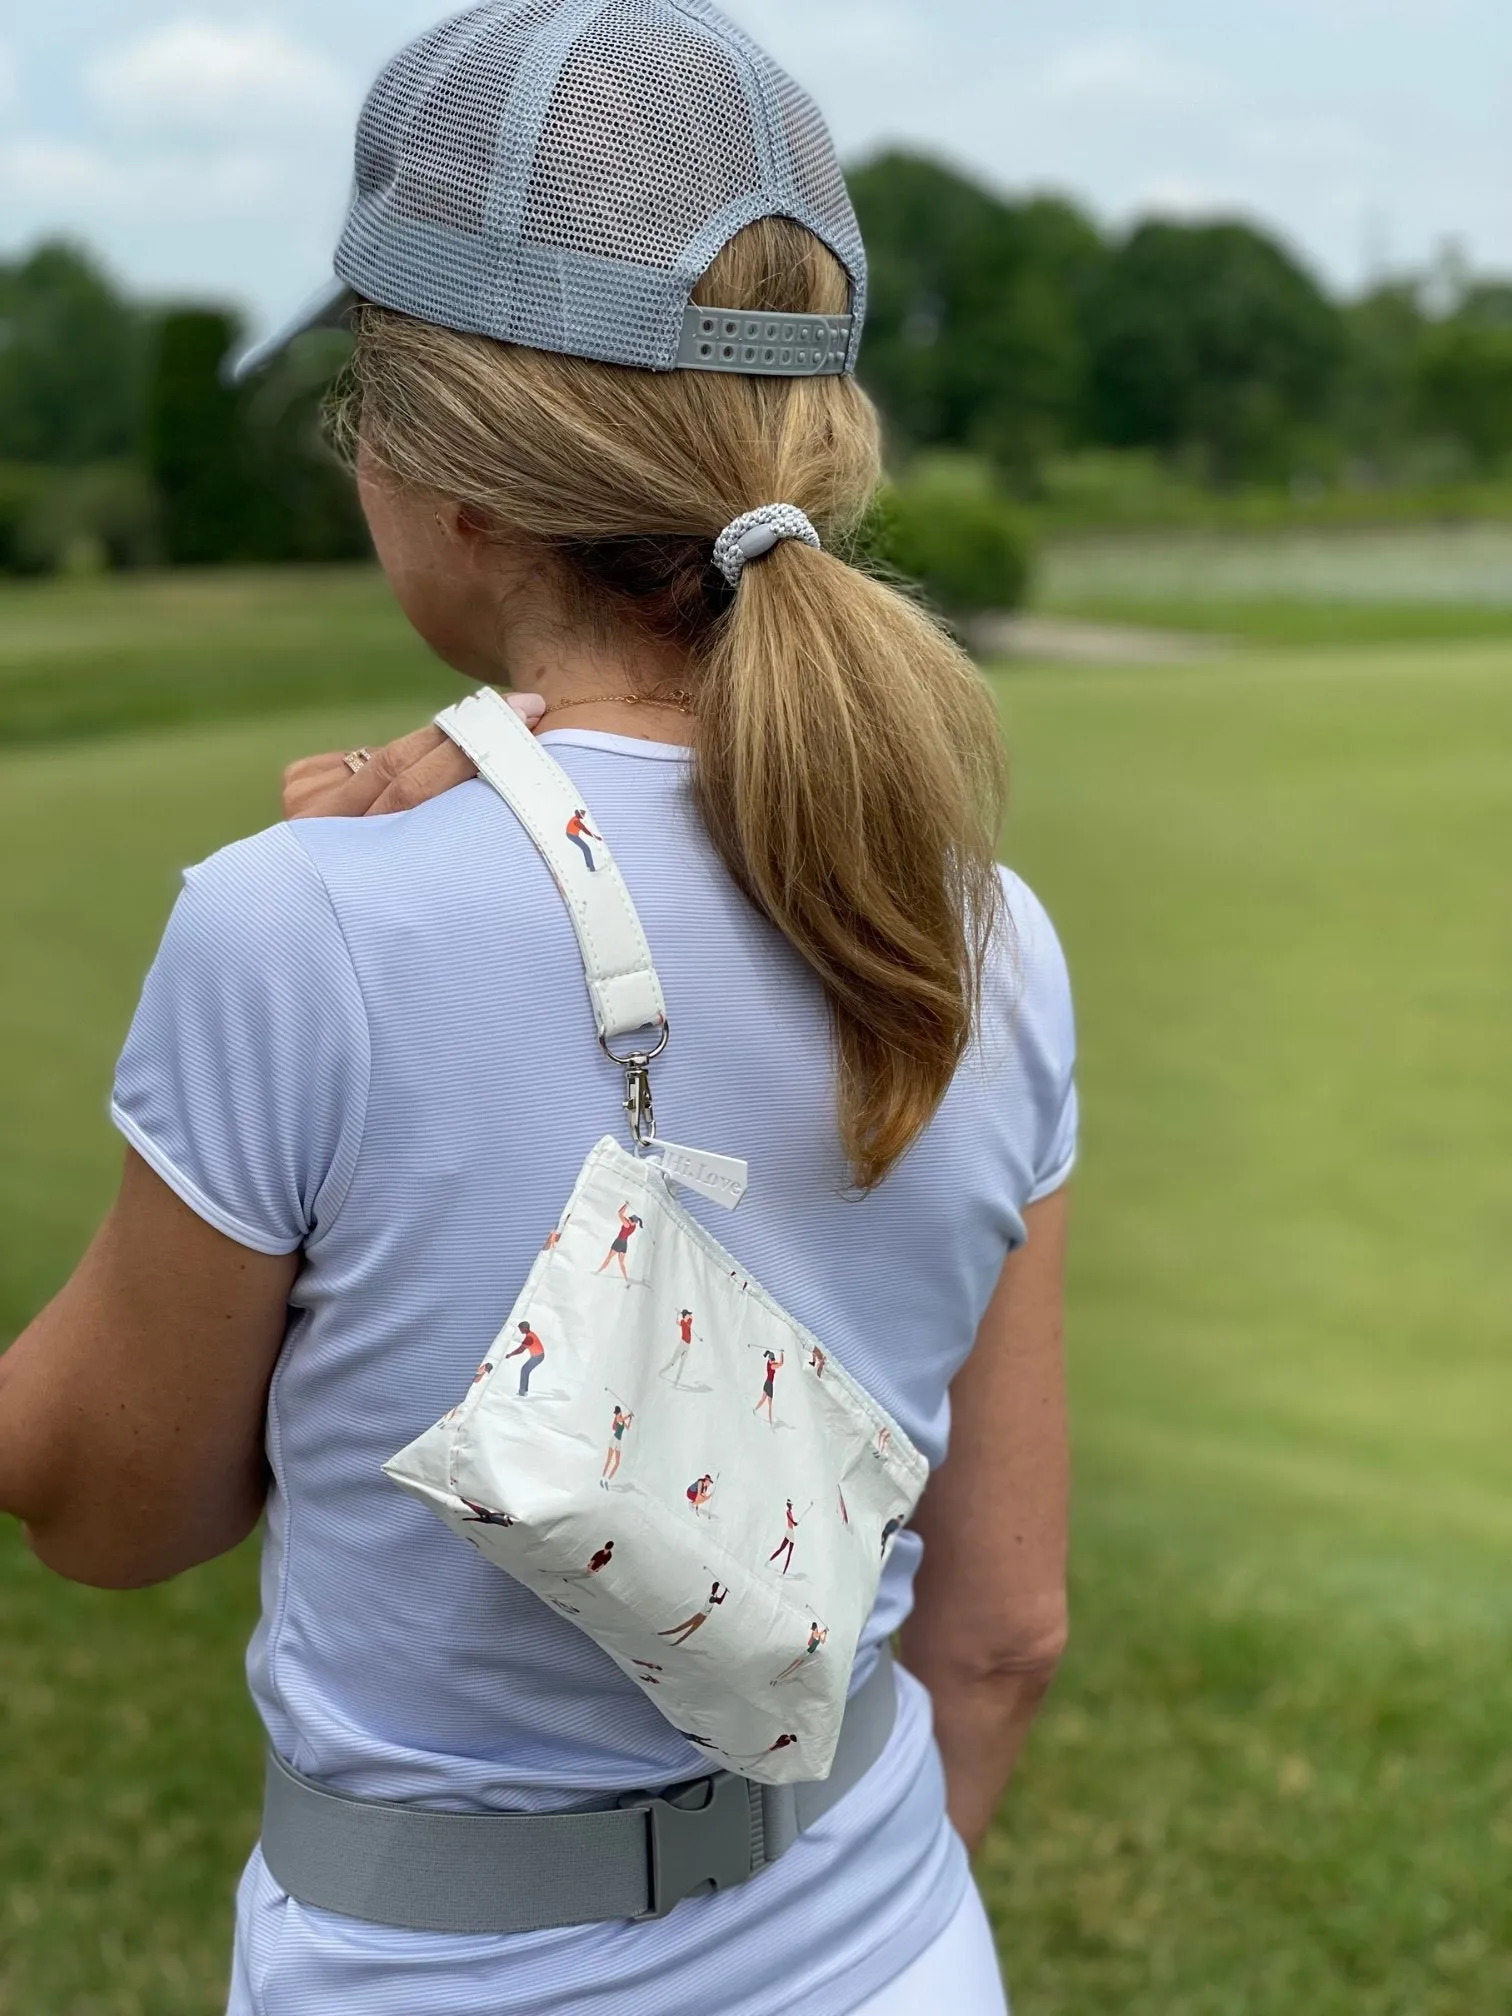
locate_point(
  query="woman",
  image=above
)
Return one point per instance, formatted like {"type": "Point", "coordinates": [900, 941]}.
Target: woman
{"type": "Point", "coordinates": [357, 1079]}
{"type": "Point", "coordinates": [615, 1453]}
{"type": "Point", "coordinates": [629, 1225]}
{"type": "Point", "coordinates": [676, 1363]}
{"type": "Point", "coordinates": [533, 1351]}
{"type": "Point", "coordinates": [775, 1360]}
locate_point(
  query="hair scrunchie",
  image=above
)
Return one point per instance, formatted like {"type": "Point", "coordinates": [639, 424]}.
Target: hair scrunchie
{"type": "Point", "coordinates": [757, 532]}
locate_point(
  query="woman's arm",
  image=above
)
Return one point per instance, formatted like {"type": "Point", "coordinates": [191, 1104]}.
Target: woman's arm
{"type": "Point", "coordinates": [132, 1409]}
{"type": "Point", "coordinates": [989, 1620]}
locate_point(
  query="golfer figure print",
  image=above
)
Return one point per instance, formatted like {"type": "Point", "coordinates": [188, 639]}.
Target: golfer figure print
{"type": "Point", "coordinates": [700, 1491]}
{"type": "Point", "coordinates": [533, 1350]}
{"type": "Point", "coordinates": [630, 1224]}
{"type": "Point", "coordinates": [477, 1380]}
{"type": "Point", "coordinates": [817, 1635]}
{"type": "Point", "coordinates": [784, 1546]}
{"type": "Point", "coordinates": [679, 1634]}
{"type": "Point", "coordinates": [679, 1358]}
{"type": "Point", "coordinates": [774, 1364]}
{"type": "Point", "coordinates": [621, 1422]}
{"type": "Point", "coordinates": [579, 832]}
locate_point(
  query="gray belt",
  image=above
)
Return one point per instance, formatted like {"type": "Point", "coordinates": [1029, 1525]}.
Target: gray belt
{"type": "Point", "coordinates": [526, 1872]}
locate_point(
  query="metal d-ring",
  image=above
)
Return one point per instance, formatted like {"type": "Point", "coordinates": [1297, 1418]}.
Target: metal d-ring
{"type": "Point", "coordinates": [640, 1056]}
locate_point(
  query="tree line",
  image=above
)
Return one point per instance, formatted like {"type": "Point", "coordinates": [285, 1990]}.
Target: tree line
{"type": "Point", "coordinates": [1020, 331]}
{"type": "Point", "coordinates": [1005, 335]}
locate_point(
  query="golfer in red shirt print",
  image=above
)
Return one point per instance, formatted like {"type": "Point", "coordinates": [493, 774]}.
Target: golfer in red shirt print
{"type": "Point", "coordinates": [679, 1357]}
{"type": "Point", "coordinates": [700, 1491]}
{"type": "Point", "coordinates": [534, 1351]}
{"type": "Point", "coordinates": [774, 1365]}
{"type": "Point", "coordinates": [629, 1226]}
{"type": "Point", "coordinates": [579, 832]}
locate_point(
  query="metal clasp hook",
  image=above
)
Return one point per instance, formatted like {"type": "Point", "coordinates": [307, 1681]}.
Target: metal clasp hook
{"type": "Point", "coordinates": [638, 1102]}
{"type": "Point", "coordinates": [637, 1070]}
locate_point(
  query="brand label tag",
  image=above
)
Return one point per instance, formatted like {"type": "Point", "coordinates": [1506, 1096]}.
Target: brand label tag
{"type": "Point", "coordinates": [721, 1178]}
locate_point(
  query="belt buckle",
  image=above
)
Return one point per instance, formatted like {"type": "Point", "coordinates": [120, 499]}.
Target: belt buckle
{"type": "Point", "coordinates": [696, 1849]}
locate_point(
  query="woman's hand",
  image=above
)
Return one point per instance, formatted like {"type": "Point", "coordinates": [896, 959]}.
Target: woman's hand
{"type": "Point", "coordinates": [407, 773]}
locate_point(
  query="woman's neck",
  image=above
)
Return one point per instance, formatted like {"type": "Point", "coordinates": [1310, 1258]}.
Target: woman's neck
{"type": "Point", "coordinates": [639, 689]}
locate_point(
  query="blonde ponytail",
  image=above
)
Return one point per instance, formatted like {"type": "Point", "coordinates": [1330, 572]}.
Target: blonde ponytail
{"type": "Point", "coordinates": [848, 763]}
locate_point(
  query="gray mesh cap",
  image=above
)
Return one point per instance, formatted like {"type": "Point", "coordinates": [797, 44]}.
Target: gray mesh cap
{"type": "Point", "coordinates": [562, 173]}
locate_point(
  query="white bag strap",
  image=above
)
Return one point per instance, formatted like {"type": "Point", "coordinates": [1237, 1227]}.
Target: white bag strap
{"type": "Point", "coordinates": [622, 980]}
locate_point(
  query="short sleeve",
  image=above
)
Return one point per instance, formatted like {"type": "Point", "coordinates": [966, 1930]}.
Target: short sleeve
{"type": "Point", "coordinates": [244, 1081]}
{"type": "Point", "coordinates": [1047, 1045]}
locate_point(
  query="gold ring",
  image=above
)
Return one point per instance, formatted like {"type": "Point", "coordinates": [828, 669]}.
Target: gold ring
{"type": "Point", "coordinates": [357, 759]}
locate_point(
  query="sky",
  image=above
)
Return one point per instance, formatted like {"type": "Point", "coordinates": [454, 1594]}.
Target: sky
{"type": "Point", "coordinates": [204, 149]}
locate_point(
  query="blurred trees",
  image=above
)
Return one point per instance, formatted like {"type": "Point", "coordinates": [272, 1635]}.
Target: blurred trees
{"type": "Point", "coordinates": [1209, 343]}
{"type": "Point", "coordinates": [240, 472]}
{"type": "Point", "coordinates": [70, 362]}
{"type": "Point", "coordinates": [975, 333]}
{"type": "Point", "coordinates": [1464, 385]}
{"type": "Point", "coordinates": [1018, 352]}
{"type": "Point", "coordinates": [120, 446]}
{"type": "Point", "coordinates": [1377, 397]}
{"type": "Point", "coordinates": [1016, 330]}
{"type": "Point", "coordinates": [193, 439]}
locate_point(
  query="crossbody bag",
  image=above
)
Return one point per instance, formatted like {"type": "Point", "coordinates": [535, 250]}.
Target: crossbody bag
{"type": "Point", "coordinates": [653, 1445]}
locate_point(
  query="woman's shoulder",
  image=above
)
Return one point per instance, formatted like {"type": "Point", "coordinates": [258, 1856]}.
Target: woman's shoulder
{"type": "Point", "coordinates": [1023, 1066]}
{"type": "Point", "coordinates": [1029, 957]}
{"type": "Point", "coordinates": [252, 888]}
{"type": "Point", "coordinates": [367, 871]}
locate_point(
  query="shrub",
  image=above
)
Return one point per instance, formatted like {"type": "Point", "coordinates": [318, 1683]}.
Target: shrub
{"type": "Point", "coordinates": [242, 472]}
{"type": "Point", "coordinates": [86, 520]}
{"type": "Point", "coordinates": [21, 489]}
{"type": "Point", "coordinates": [948, 526]}
{"type": "Point", "coordinates": [1464, 388]}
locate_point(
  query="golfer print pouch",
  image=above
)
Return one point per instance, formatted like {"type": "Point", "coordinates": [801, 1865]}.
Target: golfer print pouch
{"type": "Point", "coordinates": [653, 1445]}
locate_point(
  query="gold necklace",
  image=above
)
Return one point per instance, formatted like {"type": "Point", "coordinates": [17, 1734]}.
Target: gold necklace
{"type": "Point", "coordinates": [678, 698]}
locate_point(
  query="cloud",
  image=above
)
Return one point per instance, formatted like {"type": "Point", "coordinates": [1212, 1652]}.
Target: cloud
{"type": "Point", "coordinates": [10, 79]}
{"type": "Point", "coordinates": [1408, 13]}
{"type": "Point", "coordinates": [194, 122]}
{"type": "Point", "coordinates": [67, 180]}
{"type": "Point", "coordinates": [879, 30]}
{"type": "Point", "coordinates": [50, 171]}
{"type": "Point", "coordinates": [1185, 198]}
{"type": "Point", "coordinates": [1116, 71]}
{"type": "Point", "coordinates": [201, 77]}
{"type": "Point", "coordinates": [1307, 144]}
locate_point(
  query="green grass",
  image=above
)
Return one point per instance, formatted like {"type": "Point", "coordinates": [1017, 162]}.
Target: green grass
{"type": "Point", "coordinates": [1110, 491]}
{"type": "Point", "coordinates": [153, 650]}
{"type": "Point", "coordinates": [1411, 584]}
{"type": "Point", "coordinates": [1274, 1777]}
{"type": "Point", "coordinates": [1278, 621]}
